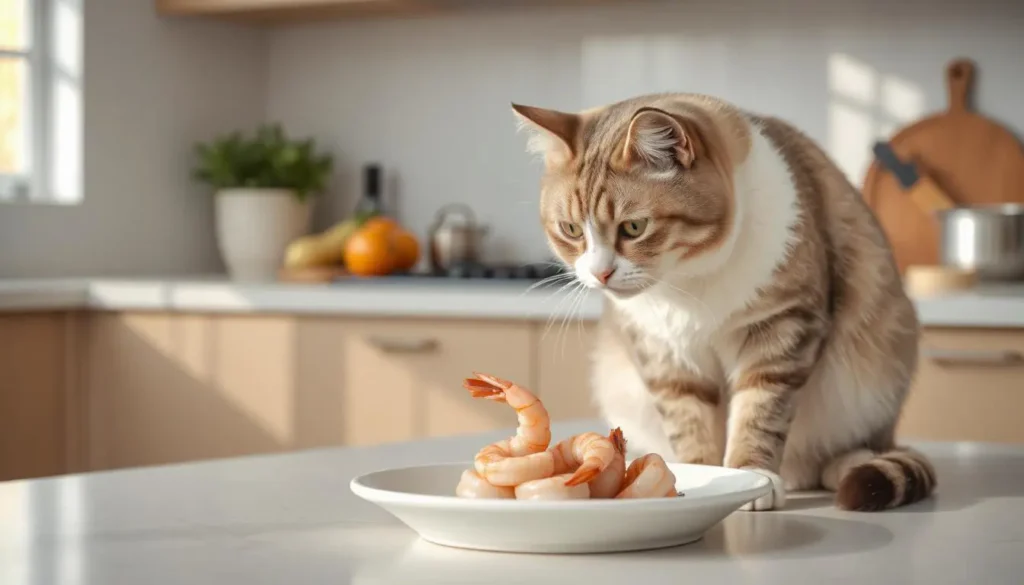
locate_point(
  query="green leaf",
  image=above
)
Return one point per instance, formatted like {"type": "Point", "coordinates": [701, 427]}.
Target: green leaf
{"type": "Point", "coordinates": [267, 159]}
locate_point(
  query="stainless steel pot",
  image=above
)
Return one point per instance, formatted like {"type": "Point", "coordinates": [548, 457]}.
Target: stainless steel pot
{"type": "Point", "coordinates": [453, 243]}
{"type": "Point", "coordinates": [986, 238]}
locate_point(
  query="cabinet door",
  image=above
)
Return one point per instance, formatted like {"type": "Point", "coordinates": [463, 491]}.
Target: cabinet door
{"type": "Point", "coordinates": [172, 388]}
{"type": "Point", "coordinates": [368, 381]}
{"type": "Point", "coordinates": [563, 358]}
{"type": "Point", "coordinates": [969, 387]}
{"type": "Point", "coordinates": [32, 400]}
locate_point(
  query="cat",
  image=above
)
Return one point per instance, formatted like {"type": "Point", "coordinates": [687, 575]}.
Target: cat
{"type": "Point", "coordinates": [755, 317]}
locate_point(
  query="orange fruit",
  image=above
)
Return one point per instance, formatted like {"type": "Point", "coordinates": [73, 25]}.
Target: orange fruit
{"type": "Point", "coordinates": [380, 222]}
{"type": "Point", "coordinates": [370, 253]}
{"type": "Point", "coordinates": [407, 250]}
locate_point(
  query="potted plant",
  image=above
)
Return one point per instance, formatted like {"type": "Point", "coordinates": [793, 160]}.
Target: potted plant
{"type": "Point", "coordinates": [263, 187]}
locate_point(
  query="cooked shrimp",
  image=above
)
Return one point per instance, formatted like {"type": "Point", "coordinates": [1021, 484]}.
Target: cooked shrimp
{"type": "Point", "coordinates": [471, 485]}
{"type": "Point", "coordinates": [534, 432]}
{"type": "Point", "coordinates": [500, 467]}
{"type": "Point", "coordinates": [648, 477]}
{"type": "Point", "coordinates": [587, 455]}
{"type": "Point", "coordinates": [523, 457]}
{"type": "Point", "coordinates": [609, 482]}
{"type": "Point", "coordinates": [552, 488]}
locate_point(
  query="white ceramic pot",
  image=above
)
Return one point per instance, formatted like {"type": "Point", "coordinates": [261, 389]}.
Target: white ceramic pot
{"type": "Point", "coordinates": [254, 227]}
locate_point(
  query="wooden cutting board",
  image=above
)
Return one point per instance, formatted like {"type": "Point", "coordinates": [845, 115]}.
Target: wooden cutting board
{"type": "Point", "coordinates": [970, 157]}
{"type": "Point", "coordinates": [312, 275]}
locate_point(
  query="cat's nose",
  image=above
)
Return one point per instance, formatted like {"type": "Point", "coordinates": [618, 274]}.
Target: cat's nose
{"type": "Point", "coordinates": [604, 275]}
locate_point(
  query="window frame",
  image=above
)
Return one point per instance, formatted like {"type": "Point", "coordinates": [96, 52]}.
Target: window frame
{"type": "Point", "coordinates": [32, 186]}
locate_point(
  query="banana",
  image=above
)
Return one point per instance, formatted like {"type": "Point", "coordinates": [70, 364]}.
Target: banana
{"type": "Point", "coordinates": [304, 252]}
{"type": "Point", "coordinates": [325, 248]}
{"type": "Point", "coordinates": [335, 237]}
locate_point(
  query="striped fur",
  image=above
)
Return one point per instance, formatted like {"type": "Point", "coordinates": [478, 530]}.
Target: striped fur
{"type": "Point", "coordinates": [881, 481]}
{"type": "Point", "coordinates": [757, 320]}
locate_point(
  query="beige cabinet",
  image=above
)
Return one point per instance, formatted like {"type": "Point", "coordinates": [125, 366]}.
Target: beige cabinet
{"type": "Point", "coordinates": [168, 388]}
{"type": "Point", "coordinates": [399, 379]}
{"type": "Point", "coordinates": [34, 409]}
{"type": "Point", "coordinates": [969, 387]}
{"type": "Point", "coordinates": [563, 370]}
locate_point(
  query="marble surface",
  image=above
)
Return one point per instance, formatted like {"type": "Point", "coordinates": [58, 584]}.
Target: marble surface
{"type": "Point", "coordinates": [292, 519]}
{"type": "Point", "coordinates": [988, 306]}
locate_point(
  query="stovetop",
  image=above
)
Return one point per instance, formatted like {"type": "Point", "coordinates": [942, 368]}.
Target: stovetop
{"type": "Point", "coordinates": [480, 272]}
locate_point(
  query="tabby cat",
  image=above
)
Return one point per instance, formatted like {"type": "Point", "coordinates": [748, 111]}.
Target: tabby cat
{"type": "Point", "coordinates": [755, 317]}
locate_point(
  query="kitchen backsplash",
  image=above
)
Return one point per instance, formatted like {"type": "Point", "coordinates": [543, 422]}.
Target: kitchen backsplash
{"type": "Point", "coordinates": [429, 97]}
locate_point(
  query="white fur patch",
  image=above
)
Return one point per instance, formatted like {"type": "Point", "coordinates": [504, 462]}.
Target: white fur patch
{"type": "Point", "coordinates": [655, 144]}
{"type": "Point", "coordinates": [773, 500]}
{"type": "Point", "coordinates": [766, 211]}
{"type": "Point", "coordinates": [598, 258]}
{"type": "Point", "coordinates": [623, 400]}
{"type": "Point", "coordinates": [541, 143]}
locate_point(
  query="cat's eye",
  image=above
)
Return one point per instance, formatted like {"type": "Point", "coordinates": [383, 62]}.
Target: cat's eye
{"type": "Point", "coordinates": [632, 228]}
{"type": "Point", "coordinates": [571, 230]}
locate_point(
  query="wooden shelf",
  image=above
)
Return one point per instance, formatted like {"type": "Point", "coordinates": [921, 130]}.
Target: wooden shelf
{"type": "Point", "coordinates": [291, 11]}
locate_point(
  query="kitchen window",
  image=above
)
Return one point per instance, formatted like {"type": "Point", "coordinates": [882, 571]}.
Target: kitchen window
{"type": "Point", "coordinates": [40, 101]}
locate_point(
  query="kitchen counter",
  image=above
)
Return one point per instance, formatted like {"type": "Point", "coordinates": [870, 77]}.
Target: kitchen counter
{"type": "Point", "coordinates": [389, 297]}
{"type": "Point", "coordinates": [989, 306]}
{"type": "Point", "coordinates": [291, 518]}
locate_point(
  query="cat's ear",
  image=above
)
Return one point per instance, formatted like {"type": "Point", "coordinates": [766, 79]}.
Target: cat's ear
{"type": "Point", "coordinates": [553, 133]}
{"type": "Point", "coordinates": [657, 140]}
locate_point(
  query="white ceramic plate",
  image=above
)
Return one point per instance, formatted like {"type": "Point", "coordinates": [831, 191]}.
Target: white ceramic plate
{"type": "Point", "coordinates": [423, 498]}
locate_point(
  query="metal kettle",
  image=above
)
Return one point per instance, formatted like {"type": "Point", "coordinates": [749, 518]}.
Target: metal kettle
{"type": "Point", "coordinates": [455, 242]}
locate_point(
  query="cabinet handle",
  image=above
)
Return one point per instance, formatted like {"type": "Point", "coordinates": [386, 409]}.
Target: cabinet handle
{"type": "Point", "coordinates": [964, 357]}
{"type": "Point", "coordinates": [391, 345]}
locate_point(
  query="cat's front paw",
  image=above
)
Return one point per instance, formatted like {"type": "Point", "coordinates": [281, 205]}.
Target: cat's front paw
{"type": "Point", "coordinates": [773, 500]}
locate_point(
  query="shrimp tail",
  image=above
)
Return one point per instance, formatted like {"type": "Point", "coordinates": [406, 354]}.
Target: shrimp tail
{"type": "Point", "coordinates": [493, 380]}
{"type": "Point", "coordinates": [618, 439]}
{"type": "Point", "coordinates": [585, 473]}
{"type": "Point", "coordinates": [482, 389]}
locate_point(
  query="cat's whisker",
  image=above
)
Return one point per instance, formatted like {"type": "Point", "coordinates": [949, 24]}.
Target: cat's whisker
{"type": "Point", "coordinates": [579, 317]}
{"type": "Point", "coordinates": [578, 297]}
{"type": "Point", "coordinates": [548, 280]}
{"type": "Point", "coordinates": [554, 312]}
{"type": "Point", "coordinates": [573, 294]}
{"type": "Point", "coordinates": [565, 316]}
{"type": "Point", "coordinates": [570, 282]}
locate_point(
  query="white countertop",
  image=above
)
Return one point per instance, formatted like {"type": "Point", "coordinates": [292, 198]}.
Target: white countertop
{"type": "Point", "coordinates": [989, 306]}
{"type": "Point", "coordinates": [384, 297]}
{"type": "Point", "coordinates": [292, 519]}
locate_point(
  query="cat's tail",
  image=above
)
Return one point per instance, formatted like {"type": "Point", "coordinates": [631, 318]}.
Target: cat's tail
{"type": "Point", "coordinates": [866, 481]}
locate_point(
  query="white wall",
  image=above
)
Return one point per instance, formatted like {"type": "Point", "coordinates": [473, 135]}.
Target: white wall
{"type": "Point", "coordinates": [152, 87]}
{"type": "Point", "coordinates": [429, 97]}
